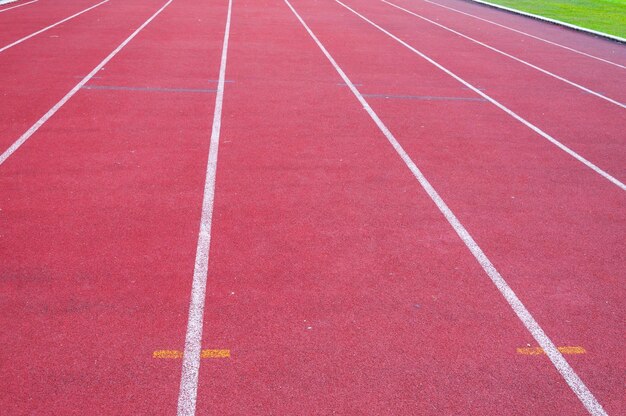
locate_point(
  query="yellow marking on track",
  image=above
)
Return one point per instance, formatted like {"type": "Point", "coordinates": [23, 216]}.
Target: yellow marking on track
{"type": "Point", "coordinates": [167, 354]}
{"type": "Point", "coordinates": [215, 354]}
{"type": "Point", "coordinates": [203, 354]}
{"type": "Point", "coordinates": [539, 350]}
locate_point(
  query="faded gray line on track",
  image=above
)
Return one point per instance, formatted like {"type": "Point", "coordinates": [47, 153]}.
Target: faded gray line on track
{"type": "Point", "coordinates": [529, 35]}
{"type": "Point", "coordinates": [19, 142]}
{"type": "Point", "coordinates": [423, 97]}
{"type": "Point", "coordinates": [492, 100]}
{"type": "Point", "coordinates": [25, 38]}
{"type": "Point", "coordinates": [523, 62]}
{"type": "Point", "coordinates": [19, 5]}
{"type": "Point", "coordinates": [188, 393]}
{"type": "Point", "coordinates": [147, 89]}
{"type": "Point", "coordinates": [572, 379]}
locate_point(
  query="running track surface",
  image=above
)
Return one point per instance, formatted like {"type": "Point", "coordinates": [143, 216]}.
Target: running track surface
{"type": "Point", "coordinates": [335, 283]}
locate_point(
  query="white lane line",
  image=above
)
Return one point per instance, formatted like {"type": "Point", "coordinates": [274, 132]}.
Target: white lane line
{"type": "Point", "coordinates": [19, 142]}
{"type": "Point", "coordinates": [587, 90]}
{"type": "Point", "coordinates": [529, 35]}
{"type": "Point", "coordinates": [19, 5]}
{"type": "Point", "coordinates": [191, 356]}
{"type": "Point", "coordinates": [577, 385]}
{"type": "Point", "coordinates": [496, 103]}
{"type": "Point", "coordinates": [17, 42]}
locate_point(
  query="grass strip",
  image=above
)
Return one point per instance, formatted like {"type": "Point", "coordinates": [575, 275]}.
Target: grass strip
{"type": "Point", "coordinates": [608, 16]}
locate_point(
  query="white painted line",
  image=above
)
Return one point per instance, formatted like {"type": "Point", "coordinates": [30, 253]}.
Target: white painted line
{"type": "Point", "coordinates": [496, 103]}
{"type": "Point", "coordinates": [580, 87]}
{"type": "Point", "coordinates": [577, 385]}
{"type": "Point", "coordinates": [15, 7]}
{"type": "Point", "coordinates": [547, 19]}
{"type": "Point", "coordinates": [191, 356]}
{"type": "Point", "coordinates": [19, 142]}
{"type": "Point", "coordinates": [17, 42]}
{"type": "Point", "coordinates": [529, 35]}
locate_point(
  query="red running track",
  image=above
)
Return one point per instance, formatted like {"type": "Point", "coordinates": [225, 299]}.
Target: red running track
{"type": "Point", "coordinates": [5, 7]}
{"type": "Point", "coordinates": [99, 214]}
{"type": "Point", "coordinates": [23, 21]}
{"type": "Point", "coordinates": [39, 71]}
{"type": "Point", "coordinates": [334, 280]}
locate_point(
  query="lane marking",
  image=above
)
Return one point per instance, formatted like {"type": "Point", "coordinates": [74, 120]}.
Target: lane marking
{"type": "Point", "coordinates": [19, 5]}
{"type": "Point", "coordinates": [567, 372]}
{"type": "Point", "coordinates": [553, 75]}
{"type": "Point", "coordinates": [167, 354]}
{"type": "Point", "coordinates": [529, 35]}
{"type": "Point", "coordinates": [173, 354]}
{"type": "Point", "coordinates": [540, 351]}
{"type": "Point", "coordinates": [147, 89]}
{"type": "Point", "coordinates": [191, 358]}
{"type": "Point", "coordinates": [494, 102]}
{"type": "Point", "coordinates": [17, 42]}
{"type": "Point", "coordinates": [424, 97]}
{"type": "Point", "coordinates": [19, 142]}
{"type": "Point", "coordinates": [557, 22]}
{"type": "Point", "coordinates": [215, 354]}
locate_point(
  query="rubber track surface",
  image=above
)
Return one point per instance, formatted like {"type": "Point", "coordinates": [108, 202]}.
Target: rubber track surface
{"type": "Point", "coordinates": [334, 281]}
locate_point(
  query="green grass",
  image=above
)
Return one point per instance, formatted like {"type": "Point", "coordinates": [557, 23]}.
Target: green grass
{"type": "Point", "coordinates": [608, 16]}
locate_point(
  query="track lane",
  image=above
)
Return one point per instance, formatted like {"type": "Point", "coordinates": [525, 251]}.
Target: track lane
{"type": "Point", "coordinates": [64, 57]}
{"type": "Point", "coordinates": [590, 127]}
{"type": "Point", "coordinates": [23, 22]}
{"type": "Point", "coordinates": [52, 26]}
{"type": "Point", "coordinates": [592, 77]}
{"type": "Point", "coordinates": [553, 232]}
{"type": "Point", "coordinates": [99, 224]}
{"type": "Point", "coordinates": [334, 281]}
{"type": "Point", "coordinates": [10, 7]}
